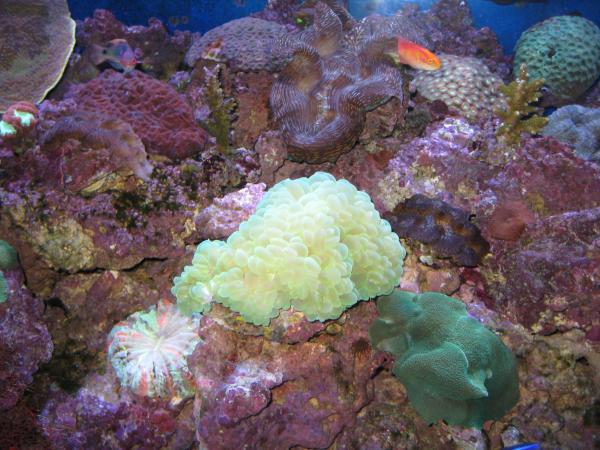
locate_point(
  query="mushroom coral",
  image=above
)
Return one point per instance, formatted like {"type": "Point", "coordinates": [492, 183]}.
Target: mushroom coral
{"type": "Point", "coordinates": [321, 96]}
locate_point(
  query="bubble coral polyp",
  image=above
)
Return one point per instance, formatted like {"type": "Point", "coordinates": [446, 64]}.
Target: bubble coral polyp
{"type": "Point", "coordinates": [315, 244]}
{"type": "Point", "coordinates": [149, 351]}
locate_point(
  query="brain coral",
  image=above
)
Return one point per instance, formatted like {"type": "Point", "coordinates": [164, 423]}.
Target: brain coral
{"type": "Point", "coordinates": [149, 351]}
{"type": "Point", "coordinates": [446, 229]}
{"type": "Point", "coordinates": [463, 83]}
{"type": "Point", "coordinates": [321, 96]}
{"type": "Point", "coordinates": [37, 39]}
{"type": "Point", "coordinates": [453, 368]}
{"type": "Point", "coordinates": [157, 113]}
{"type": "Point", "coordinates": [578, 127]}
{"type": "Point", "coordinates": [564, 51]}
{"type": "Point", "coordinates": [314, 244]}
{"type": "Point", "coordinates": [246, 44]}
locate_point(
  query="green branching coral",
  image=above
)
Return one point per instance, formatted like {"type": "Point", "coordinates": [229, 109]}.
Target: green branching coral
{"type": "Point", "coordinates": [218, 122]}
{"type": "Point", "coordinates": [453, 368]}
{"type": "Point", "coordinates": [521, 116]}
{"type": "Point", "coordinates": [314, 244]}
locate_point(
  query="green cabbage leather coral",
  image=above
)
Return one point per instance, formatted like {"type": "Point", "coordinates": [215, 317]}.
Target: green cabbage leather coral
{"type": "Point", "coordinates": [453, 368]}
{"type": "Point", "coordinates": [314, 244]}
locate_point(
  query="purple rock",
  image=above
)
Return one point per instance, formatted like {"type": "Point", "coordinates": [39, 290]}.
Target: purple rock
{"type": "Point", "coordinates": [25, 343]}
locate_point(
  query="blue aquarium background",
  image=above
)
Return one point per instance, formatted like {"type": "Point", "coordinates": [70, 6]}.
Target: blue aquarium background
{"type": "Point", "coordinates": [507, 20]}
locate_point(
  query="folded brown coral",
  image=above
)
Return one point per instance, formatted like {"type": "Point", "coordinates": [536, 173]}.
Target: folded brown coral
{"type": "Point", "coordinates": [447, 230]}
{"type": "Point", "coordinates": [84, 150]}
{"type": "Point", "coordinates": [321, 97]}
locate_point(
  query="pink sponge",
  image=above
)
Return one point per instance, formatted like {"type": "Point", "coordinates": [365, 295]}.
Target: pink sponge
{"type": "Point", "coordinates": [157, 113]}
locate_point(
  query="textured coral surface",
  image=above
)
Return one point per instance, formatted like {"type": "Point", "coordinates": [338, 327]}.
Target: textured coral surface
{"type": "Point", "coordinates": [25, 343]}
{"type": "Point", "coordinates": [34, 50]}
{"type": "Point", "coordinates": [149, 350]}
{"type": "Point", "coordinates": [564, 51]}
{"type": "Point", "coordinates": [321, 96]}
{"type": "Point", "coordinates": [314, 244]}
{"type": "Point", "coordinates": [447, 230]}
{"type": "Point", "coordinates": [246, 44]}
{"type": "Point", "coordinates": [158, 114]}
{"type": "Point", "coordinates": [463, 83]}
{"type": "Point", "coordinates": [577, 126]}
{"type": "Point", "coordinates": [457, 370]}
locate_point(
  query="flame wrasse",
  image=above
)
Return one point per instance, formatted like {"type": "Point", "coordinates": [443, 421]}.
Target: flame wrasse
{"type": "Point", "coordinates": [117, 53]}
{"type": "Point", "coordinates": [415, 56]}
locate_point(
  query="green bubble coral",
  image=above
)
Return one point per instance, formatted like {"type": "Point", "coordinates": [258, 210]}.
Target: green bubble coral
{"type": "Point", "coordinates": [453, 368]}
{"type": "Point", "coordinates": [314, 244]}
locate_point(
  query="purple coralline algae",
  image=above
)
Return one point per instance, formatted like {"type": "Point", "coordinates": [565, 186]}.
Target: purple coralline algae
{"type": "Point", "coordinates": [25, 343]}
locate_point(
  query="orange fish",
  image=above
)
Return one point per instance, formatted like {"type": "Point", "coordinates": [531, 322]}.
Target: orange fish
{"type": "Point", "coordinates": [416, 56]}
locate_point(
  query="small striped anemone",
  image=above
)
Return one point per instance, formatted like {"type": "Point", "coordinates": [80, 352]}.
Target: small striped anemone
{"type": "Point", "coordinates": [149, 351]}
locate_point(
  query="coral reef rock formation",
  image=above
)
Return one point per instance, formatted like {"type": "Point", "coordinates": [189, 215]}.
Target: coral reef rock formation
{"type": "Point", "coordinates": [321, 97]}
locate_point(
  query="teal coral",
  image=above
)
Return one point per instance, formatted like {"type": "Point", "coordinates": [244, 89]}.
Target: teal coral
{"type": "Point", "coordinates": [453, 368]}
{"type": "Point", "coordinates": [315, 244]}
{"type": "Point", "coordinates": [3, 288]}
{"type": "Point", "coordinates": [564, 51]}
{"type": "Point", "coordinates": [8, 256]}
{"type": "Point", "coordinates": [8, 260]}
{"type": "Point", "coordinates": [520, 115]}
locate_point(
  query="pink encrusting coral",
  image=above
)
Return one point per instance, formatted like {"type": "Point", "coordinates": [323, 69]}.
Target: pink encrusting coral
{"type": "Point", "coordinates": [149, 351]}
{"type": "Point", "coordinates": [157, 113]}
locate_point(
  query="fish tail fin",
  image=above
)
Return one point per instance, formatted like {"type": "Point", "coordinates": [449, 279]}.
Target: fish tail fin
{"type": "Point", "coordinates": [97, 55]}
